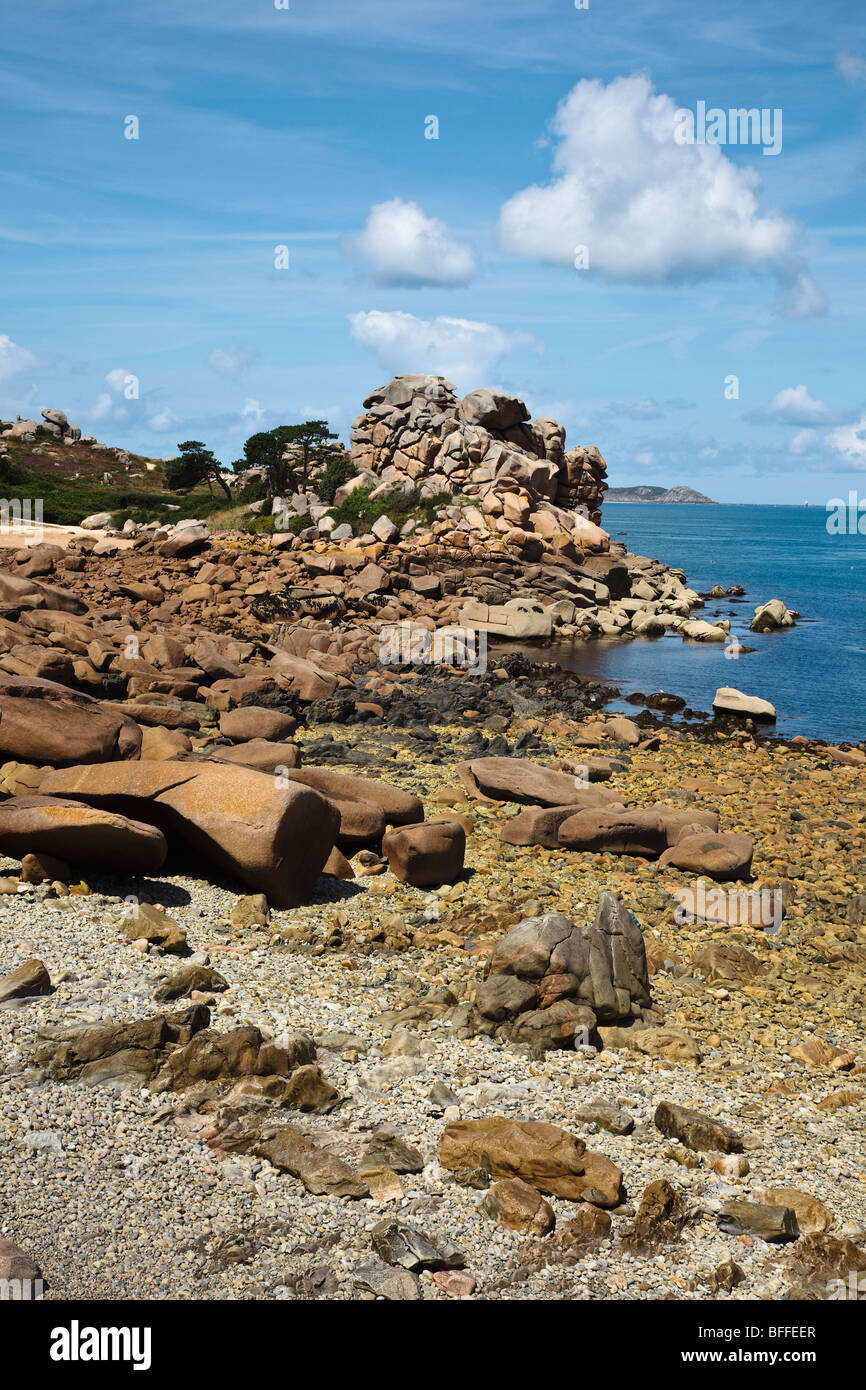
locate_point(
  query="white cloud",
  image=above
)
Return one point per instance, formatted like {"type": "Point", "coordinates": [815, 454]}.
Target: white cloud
{"type": "Point", "coordinates": [795, 405]}
{"type": "Point", "coordinates": [253, 411]}
{"type": "Point", "coordinates": [230, 363]}
{"type": "Point", "coordinates": [457, 348]}
{"type": "Point", "coordinates": [646, 459]}
{"type": "Point", "coordinates": [403, 246]}
{"type": "Point", "coordinates": [117, 378]}
{"type": "Point", "coordinates": [852, 68]}
{"type": "Point", "coordinates": [800, 297]}
{"type": "Point", "coordinates": [849, 442]}
{"type": "Point", "coordinates": [13, 358]}
{"type": "Point", "coordinates": [648, 209]}
{"type": "Point", "coordinates": [162, 421]}
{"type": "Point", "coordinates": [106, 408]}
{"type": "Point", "coordinates": [804, 442]}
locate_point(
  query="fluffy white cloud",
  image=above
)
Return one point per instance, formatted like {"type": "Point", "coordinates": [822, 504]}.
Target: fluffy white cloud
{"type": "Point", "coordinates": [795, 405]}
{"type": "Point", "coordinates": [849, 442]}
{"type": "Point", "coordinates": [117, 378]}
{"type": "Point", "coordinates": [852, 68]}
{"type": "Point", "coordinates": [230, 363]}
{"type": "Point", "coordinates": [457, 348]}
{"type": "Point", "coordinates": [648, 208]}
{"type": "Point", "coordinates": [403, 246]}
{"type": "Point", "coordinates": [162, 421]}
{"type": "Point", "coordinates": [253, 411]}
{"type": "Point", "coordinates": [804, 442]}
{"type": "Point", "coordinates": [13, 358]}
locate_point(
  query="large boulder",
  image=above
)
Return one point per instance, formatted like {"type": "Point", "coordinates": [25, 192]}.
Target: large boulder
{"type": "Point", "coordinates": [80, 834]}
{"type": "Point", "coordinates": [249, 722]}
{"type": "Point", "coordinates": [276, 839]}
{"type": "Point", "coordinates": [615, 832]}
{"type": "Point", "coordinates": [724, 856]}
{"type": "Point", "coordinates": [528, 783]}
{"type": "Point", "coordinates": [539, 825]}
{"type": "Point", "coordinates": [771, 617]}
{"type": "Point", "coordinates": [397, 806]}
{"type": "Point", "coordinates": [426, 855]}
{"type": "Point", "coordinates": [492, 410]}
{"type": "Point", "coordinates": [43, 722]}
{"type": "Point", "coordinates": [727, 700]}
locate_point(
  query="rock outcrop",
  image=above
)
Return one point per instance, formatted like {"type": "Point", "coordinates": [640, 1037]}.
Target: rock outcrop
{"type": "Point", "coordinates": [552, 981]}
{"type": "Point", "coordinates": [511, 473]}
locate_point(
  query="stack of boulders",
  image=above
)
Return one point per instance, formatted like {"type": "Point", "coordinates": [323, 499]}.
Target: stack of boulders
{"type": "Point", "coordinates": [506, 472]}
{"type": "Point", "coordinates": [551, 981]}
{"type": "Point", "coordinates": [54, 421]}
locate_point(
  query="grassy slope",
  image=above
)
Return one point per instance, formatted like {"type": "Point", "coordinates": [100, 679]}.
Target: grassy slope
{"type": "Point", "coordinates": [68, 479]}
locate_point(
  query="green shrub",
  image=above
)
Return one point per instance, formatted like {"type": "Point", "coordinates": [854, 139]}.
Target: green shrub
{"type": "Point", "coordinates": [338, 471]}
{"type": "Point", "coordinates": [360, 510]}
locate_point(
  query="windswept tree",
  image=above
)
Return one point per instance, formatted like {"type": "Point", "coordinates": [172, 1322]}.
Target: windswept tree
{"type": "Point", "coordinates": [292, 455]}
{"type": "Point", "coordinates": [195, 464]}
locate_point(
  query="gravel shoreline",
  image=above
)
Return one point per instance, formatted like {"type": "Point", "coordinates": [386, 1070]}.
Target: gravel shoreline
{"type": "Point", "coordinates": [116, 1197]}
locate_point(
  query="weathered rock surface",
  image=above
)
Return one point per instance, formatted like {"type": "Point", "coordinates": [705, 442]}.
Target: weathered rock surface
{"type": "Point", "coordinates": [528, 783]}
{"type": "Point", "coordinates": [43, 722]}
{"type": "Point", "coordinates": [68, 830]}
{"type": "Point", "coordinates": [426, 855]}
{"type": "Point", "coordinates": [723, 857]}
{"type": "Point", "coordinates": [695, 1130]}
{"type": "Point", "coordinates": [28, 979]}
{"type": "Point", "coordinates": [275, 839]}
{"type": "Point", "coordinates": [579, 974]}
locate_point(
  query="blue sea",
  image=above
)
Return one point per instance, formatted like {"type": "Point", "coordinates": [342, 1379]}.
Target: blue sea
{"type": "Point", "coordinates": [814, 673]}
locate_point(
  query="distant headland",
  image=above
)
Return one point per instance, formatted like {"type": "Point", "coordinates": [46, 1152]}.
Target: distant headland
{"type": "Point", "coordinates": [658, 494]}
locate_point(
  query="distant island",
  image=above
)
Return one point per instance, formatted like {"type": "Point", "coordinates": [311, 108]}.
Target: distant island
{"type": "Point", "coordinates": [658, 494]}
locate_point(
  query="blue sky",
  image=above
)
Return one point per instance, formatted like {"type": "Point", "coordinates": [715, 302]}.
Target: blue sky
{"type": "Point", "coordinates": [305, 128]}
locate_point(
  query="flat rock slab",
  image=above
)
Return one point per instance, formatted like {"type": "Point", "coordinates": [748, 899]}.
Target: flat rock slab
{"type": "Point", "coordinates": [322, 1173]}
{"type": "Point", "coordinates": [531, 784]}
{"type": "Point", "coordinates": [696, 1130]}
